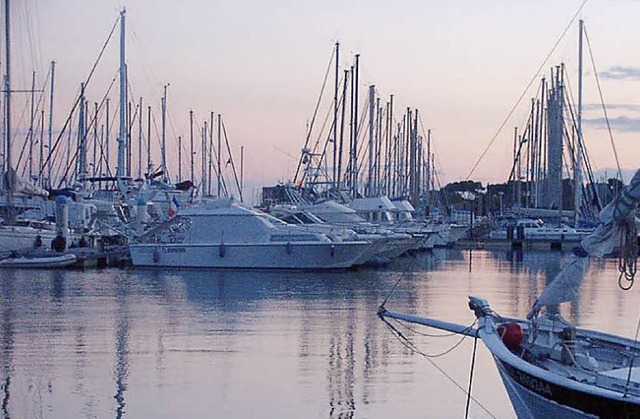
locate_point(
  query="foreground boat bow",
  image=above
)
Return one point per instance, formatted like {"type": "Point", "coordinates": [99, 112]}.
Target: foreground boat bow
{"type": "Point", "coordinates": [551, 368]}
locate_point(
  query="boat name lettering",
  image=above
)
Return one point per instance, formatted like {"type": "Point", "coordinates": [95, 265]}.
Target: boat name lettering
{"type": "Point", "coordinates": [533, 383]}
{"type": "Point", "coordinates": [174, 250]}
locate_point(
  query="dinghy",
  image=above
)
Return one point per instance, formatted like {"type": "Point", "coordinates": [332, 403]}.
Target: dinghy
{"type": "Point", "coordinates": [39, 261]}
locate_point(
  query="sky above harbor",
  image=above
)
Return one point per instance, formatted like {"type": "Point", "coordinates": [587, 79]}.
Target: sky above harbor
{"type": "Point", "coordinates": [261, 64]}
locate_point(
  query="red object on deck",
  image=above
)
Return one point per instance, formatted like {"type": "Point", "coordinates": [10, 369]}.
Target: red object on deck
{"type": "Point", "coordinates": [512, 335]}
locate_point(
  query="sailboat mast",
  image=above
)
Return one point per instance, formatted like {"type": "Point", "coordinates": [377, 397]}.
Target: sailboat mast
{"type": "Point", "coordinates": [106, 137]}
{"type": "Point", "coordinates": [335, 115]}
{"type": "Point", "coordinates": [210, 153]}
{"type": "Point", "coordinates": [140, 139]}
{"type": "Point", "coordinates": [81, 165]}
{"type": "Point", "coordinates": [149, 139]}
{"type": "Point", "coordinates": [372, 99]}
{"type": "Point", "coordinates": [179, 159]}
{"type": "Point", "coordinates": [219, 154]}
{"type": "Point", "coordinates": [191, 139]}
{"type": "Point", "coordinates": [7, 104]}
{"type": "Point", "coordinates": [578, 168]}
{"type": "Point", "coordinates": [50, 129]}
{"type": "Point", "coordinates": [122, 131]}
{"type": "Point", "coordinates": [164, 130]}
{"type": "Point", "coordinates": [33, 117]}
{"type": "Point", "coordinates": [354, 167]}
{"type": "Point", "coordinates": [342, 118]}
{"type": "Point", "coordinates": [241, 172]}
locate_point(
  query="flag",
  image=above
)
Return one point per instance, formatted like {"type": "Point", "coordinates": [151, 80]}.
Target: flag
{"type": "Point", "coordinates": [174, 205]}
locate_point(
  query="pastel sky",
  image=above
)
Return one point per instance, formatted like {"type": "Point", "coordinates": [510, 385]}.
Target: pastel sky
{"type": "Point", "coordinates": [260, 64]}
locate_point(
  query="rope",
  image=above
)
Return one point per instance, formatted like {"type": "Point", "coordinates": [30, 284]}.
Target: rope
{"type": "Point", "coordinates": [402, 275]}
{"type": "Point", "coordinates": [409, 345]}
{"type": "Point", "coordinates": [628, 257]}
{"type": "Point", "coordinates": [432, 335]}
{"type": "Point", "coordinates": [440, 336]}
{"type": "Point", "coordinates": [473, 364]}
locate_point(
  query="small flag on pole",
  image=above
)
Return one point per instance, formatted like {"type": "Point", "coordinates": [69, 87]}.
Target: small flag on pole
{"type": "Point", "coordinates": [174, 205]}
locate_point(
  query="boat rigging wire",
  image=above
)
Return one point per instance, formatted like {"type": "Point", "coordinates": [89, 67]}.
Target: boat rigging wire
{"type": "Point", "coordinates": [75, 105]}
{"type": "Point", "coordinates": [524, 92]}
{"type": "Point", "coordinates": [604, 108]}
{"type": "Point", "coordinates": [315, 113]}
{"type": "Point", "coordinates": [409, 345]}
{"type": "Point", "coordinates": [472, 369]}
{"type": "Point", "coordinates": [635, 338]}
{"type": "Point", "coordinates": [432, 335]}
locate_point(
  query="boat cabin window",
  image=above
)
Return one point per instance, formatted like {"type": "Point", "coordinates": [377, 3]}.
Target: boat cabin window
{"type": "Point", "coordinates": [291, 219]}
{"type": "Point", "coordinates": [306, 218]}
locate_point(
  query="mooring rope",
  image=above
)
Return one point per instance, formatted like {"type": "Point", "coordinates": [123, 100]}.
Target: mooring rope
{"type": "Point", "coordinates": [473, 365]}
{"type": "Point", "coordinates": [413, 348]}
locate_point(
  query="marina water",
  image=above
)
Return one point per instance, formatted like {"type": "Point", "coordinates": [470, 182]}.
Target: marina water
{"type": "Point", "coordinates": [226, 344]}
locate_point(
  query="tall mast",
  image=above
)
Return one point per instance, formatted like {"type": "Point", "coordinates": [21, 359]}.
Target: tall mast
{"type": "Point", "coordinates": [428, 161]}
{"type": "Point", "coordinates": [210, 153]}
{"type": "Point", "coordinates": [95, 139]}
{"type": "Point", "coordinates": [355, 128]}
{"type": "Point", "coordinates": [191, 138]}
{"type": "Point", "coordinates": [206, 188]}
{"type": "Point", "coordinates": [344, 106]}
{"type": "Point", "coordinates": [106, 138]}
{"type": "Point", "coordinates": [219, 154]}
{"type": "Point", "coordinates": [122, 131]}
{"type": "Point", "coordinates": [372, 99]}
{"type": "Point", "coordinates": [40, 161]}
{"type": "Point", "coordinates": [335, 114]}
{"type": "Point", "coordinates": [140, 139]}
{"type": "Point", "coordinates": [164, 130]}
{"type": "Point", "coordinates": [7, 98]}
{"type": "Point", "coordinates": [33, 117]}
{"type": "Point", "coordinates": [82, 137]}
{"type": "Point", "coordinates": [578, 168]}
{"type": "Point", "coordinates": [50, 129]}
{"type": "Point", "coordinates": [149, 139]}
{"type": "Point", "coordinates": [241, 171]}
{"type": "Point", "coordinates": [179, 159]}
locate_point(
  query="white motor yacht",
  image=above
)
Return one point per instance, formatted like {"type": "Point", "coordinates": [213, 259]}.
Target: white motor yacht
{"type": "Point", "coordinates": [223, 233]}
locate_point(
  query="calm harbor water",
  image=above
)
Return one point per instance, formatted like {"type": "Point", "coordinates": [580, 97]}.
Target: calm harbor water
{"type": "Point", "coordinates": [202, 344]}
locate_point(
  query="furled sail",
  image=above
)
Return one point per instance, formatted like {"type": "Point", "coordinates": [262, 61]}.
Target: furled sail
{"type": "Point", "coordinates": [13, 182]}
{"type": "Point", "coordinates": [617, 231]}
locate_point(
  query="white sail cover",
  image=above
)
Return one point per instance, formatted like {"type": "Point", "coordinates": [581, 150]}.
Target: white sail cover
{"type": "Point", "coordinates": [16, 184]}
{"type": "Point", "coordinates": [617, 220]}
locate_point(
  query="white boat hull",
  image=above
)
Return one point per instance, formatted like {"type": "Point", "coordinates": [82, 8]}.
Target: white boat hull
{"type": "Point", "coordinates": [43, 262]}
{"type": "Point", "coordinates": [250, 256]}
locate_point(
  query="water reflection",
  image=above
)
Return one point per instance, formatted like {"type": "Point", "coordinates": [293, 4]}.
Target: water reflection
{"type": "Point", "coordinates": [121, 345]}
{"type": "Point", "coordinates": [6, 352]}
{"type": "Point", "coordinates": [253, 344]}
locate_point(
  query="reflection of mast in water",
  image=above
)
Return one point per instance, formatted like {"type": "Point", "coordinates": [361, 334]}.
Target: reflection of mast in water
{"type": "Point", "coordinates": [6, 352]}
{"type": "Point", "coordinates": [342, 365]}
{"type": "Point", "coordinates": [122, 348]}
